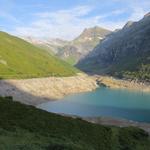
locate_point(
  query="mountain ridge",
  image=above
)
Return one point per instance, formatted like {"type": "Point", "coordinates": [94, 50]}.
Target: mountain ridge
{"type": "Point", "coordinates": [73, 51]}
{"type": "Point", "coordinates": [83, 44]}
{"type": "Point", "coordinates": [125, 53]}
{"type": "Point", "coordinates": [51, 45]}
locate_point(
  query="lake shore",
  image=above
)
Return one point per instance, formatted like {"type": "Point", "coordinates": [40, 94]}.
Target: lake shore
{"type": "Point", "coordinates": [118, 122]}
{"type": "Point", "coordinates": [114, 83]}
{"type": "Point", "coordinates": [112, 121]}
{"type": "Point", "coordinates": [40, 90]}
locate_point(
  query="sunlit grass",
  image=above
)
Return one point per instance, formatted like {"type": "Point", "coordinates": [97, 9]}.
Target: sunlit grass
{"type": "Point", "coordinates": [20, 59]}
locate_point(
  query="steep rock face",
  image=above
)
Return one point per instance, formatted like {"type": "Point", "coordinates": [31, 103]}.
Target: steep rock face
{"type": "Point", "coordinates": [82, 45]}
{"type": "Point", "coordinates": [126, 51]}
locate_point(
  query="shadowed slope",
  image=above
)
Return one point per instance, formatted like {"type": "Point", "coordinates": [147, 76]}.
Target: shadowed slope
{"type": "Point", "coordinates": [125, 53]}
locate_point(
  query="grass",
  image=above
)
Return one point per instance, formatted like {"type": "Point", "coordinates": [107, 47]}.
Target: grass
{"type": "Point", "coordinates": [24, 127]}
{"type": "Point", "coordinates": [20, 59]}
{"type": "Point", "coordinates": [71, 60]}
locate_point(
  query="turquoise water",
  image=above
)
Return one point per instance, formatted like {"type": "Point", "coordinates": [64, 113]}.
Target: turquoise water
{"type": "Point", "coordinates": [104, 102]}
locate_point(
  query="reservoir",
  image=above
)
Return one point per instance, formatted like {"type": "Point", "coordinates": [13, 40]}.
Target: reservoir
{"type": "Point", "coordinates": [106, 102]}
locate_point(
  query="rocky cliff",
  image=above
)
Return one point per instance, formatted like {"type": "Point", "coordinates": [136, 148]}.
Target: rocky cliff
{"type": "Point", "coordinates": [125, 53]}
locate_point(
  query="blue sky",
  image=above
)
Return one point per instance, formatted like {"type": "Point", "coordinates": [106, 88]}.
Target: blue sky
{"type": "Point", "coordinates": [67, 18]}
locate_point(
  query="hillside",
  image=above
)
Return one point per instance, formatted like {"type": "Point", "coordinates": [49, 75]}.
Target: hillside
{"type": "Point", "coordinates": [124, 53]}
{"type": "Point", "coordinates": [83, 44]}
{"type": "Point", "coordinates": [20, 59]}
{"type": "Point", "coordinates": [24, 127]}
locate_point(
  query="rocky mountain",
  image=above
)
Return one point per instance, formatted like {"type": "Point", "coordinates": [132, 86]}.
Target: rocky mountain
{"type": "Point", "coordinates": [82, 45]}
{"type": "Point", "coordinates": [72, 51]}
{"type": "Point", "coordinates": [124, 53]}
{"type": "Point", "coordinates": [51, 45]}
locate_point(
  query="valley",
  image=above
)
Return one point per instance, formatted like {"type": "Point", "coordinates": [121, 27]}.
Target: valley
{"type": "Point", "coordinates": [78, 48]}
{"type": "Point", "coordinates": [71, 79]}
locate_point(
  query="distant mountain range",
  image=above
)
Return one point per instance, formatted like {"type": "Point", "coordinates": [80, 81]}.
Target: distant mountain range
{"type": "Point", "coordinates": [73, 51]}
{"type": "Point", "coordinates": [20, 59]}
{"type": "Point", "coordinates": [124, 53]}
{"type": "Point", "coordinates": [51, 45]}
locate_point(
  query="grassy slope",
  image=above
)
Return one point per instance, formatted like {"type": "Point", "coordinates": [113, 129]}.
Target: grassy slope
{"type": "Point", "coordinates": [71, 60]}
{"type": "Point", "coordinates": [19, 59]}
{"type": "Point", "coordinates": [24, 127]}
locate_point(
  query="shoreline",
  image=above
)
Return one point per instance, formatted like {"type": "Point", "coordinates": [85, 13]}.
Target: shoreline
{"type": "Point", "coordinates": [113, 121]}
{"type": "Point", "coordinates": [110, 121]}
{"type": "Point", "coordinates": [115, 83]}
{"type": "Point", "coordinates": [40, 90]}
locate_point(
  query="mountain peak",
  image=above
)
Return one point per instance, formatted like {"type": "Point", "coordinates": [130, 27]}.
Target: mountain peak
{"type": "Point", "coordinates": [123, 53]}
{"type": "Point", "coordinates": [95, 29]}
{"type": "Point", "coordinates": [93, 32]}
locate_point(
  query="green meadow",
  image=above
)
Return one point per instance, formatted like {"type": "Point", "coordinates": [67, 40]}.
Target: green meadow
{"type": "Point", "coordinates": [20, 59]}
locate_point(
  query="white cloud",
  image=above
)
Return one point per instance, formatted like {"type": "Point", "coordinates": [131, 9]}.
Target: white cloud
{"type": "Point", "coordinates": [68, 24]}
{"type": "Point", "coordinates": [75, 12]}
{"type": "Point", "coordinates": [63, 23]}
{"type": "Point", "coordinates": [137, 14]}
{"type": "Point", "coordinates": [136, 8]}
